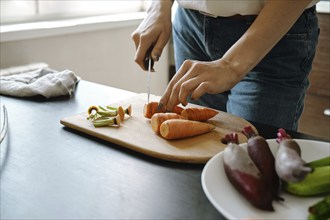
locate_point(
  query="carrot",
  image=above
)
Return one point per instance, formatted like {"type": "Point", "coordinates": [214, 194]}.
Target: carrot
{"type": "Point", "coordinates": [180, 128]}
{"type": "Point", "coordinates": [151, 108]}
{"type": "Point", "coordinates": [198, 114]}
{"type": "Point", "coordinates": [158, 118]}
{"type": "Point", "coordinates": [177, 109]}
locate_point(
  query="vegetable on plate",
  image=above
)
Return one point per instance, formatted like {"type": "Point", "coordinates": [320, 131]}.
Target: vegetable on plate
{"type": "Point", "coordinates": [315, 183]}
{"type": "Point", "coordinates": [245, 176]}
{"type": "Point", "coordinates": [260, 153]}
{"type": "Point", "coordinates": [320, 210]}
{"type": "Point", "coordinates": [289, 165]}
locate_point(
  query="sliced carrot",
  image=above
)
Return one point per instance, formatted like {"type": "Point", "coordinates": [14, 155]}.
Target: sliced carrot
{"type": "Point", "coordinates": [198, 114]}
{"type": "Point", "coordinates": [151, 108]}
{"type": "Point", "coordinates": [177, 109]}
{"type": "Point", "coordinates": [180, 128]}
{"type": "Point", "coordinates": [158, 118]}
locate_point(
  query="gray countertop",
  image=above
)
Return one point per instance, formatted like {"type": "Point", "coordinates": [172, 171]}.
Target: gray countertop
{"type": "Point", "coordinates": [51, 172]}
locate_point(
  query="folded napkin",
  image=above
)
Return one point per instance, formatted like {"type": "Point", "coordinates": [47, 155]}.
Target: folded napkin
{"type": "Point", "coordinates": [41, 81]}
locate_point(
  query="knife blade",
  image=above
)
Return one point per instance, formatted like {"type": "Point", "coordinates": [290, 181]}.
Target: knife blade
{"type": "Point", "coordinates": [148, 64]}
{"type": "Point", "coordinates": [148, 81]}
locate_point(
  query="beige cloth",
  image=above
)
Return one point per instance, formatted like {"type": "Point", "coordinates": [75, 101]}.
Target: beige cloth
{"type": "Point", "coordinates": [42, 81]}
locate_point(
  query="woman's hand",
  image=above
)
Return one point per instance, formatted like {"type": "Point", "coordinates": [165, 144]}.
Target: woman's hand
{"type": "Point", "coordinates": [197, 78]}
{"type": "Point", "coordinates": [154, 31]}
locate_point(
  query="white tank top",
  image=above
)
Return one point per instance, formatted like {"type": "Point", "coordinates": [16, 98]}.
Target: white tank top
{"type": "Point", "coordinates": [227, 8]}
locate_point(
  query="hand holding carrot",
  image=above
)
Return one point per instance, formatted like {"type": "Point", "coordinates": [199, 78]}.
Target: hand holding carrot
{"type": "Point", "coordinates": [196, 78]}
{"type": "Point", "coordinates": [195, 114]}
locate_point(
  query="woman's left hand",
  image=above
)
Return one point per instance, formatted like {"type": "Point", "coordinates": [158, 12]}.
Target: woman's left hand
{"type": "Point", "coordinates": [196, 78]}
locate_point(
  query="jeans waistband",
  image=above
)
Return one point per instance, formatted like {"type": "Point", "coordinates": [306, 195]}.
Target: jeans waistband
{"type": "Point", "coordinates": [249, 17]}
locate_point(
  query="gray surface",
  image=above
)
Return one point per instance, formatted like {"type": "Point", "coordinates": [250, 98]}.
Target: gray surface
{"type": "Point", "coordinates": [51, 172]}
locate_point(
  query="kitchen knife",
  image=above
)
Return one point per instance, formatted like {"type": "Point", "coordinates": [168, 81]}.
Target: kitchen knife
{"type": "Point", "coordinates": [149, 65]}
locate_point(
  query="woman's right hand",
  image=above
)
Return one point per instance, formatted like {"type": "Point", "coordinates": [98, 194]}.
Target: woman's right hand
{"type": "Point", "coordinates": [154, 31]}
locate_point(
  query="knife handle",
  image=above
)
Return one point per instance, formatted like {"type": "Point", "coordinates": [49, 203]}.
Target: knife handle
{"type": "Point", "coordinates": [147, 58]}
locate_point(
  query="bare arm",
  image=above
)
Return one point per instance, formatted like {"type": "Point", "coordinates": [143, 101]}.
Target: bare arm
{"type": "Point", "coordinates": [197, 78]}
{"type": "Point", "coordinates": [273, 22]}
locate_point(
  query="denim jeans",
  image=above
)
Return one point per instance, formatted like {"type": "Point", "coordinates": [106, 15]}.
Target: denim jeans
{"type": "Point", "coordinates": [273, 92]}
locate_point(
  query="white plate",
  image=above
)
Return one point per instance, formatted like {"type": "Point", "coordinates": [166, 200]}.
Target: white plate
{"type": "Point", "coordinates": [232, 205]}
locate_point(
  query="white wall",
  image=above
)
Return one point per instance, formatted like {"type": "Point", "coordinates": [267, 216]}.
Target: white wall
{"type": "Point", "coordinates": [102, 56]}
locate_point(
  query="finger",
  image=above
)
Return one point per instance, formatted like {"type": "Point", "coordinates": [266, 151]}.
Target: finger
{"type": "Point", "coordinates": [168, 91]}
{"type": "Point", "coordinates": [184, 68]}
{"type": "Point", "coordinates": [190, 81]}
{"type": "Point", "coordinates": [165, 97]}
{"type": "Point", "coordinates": [158, 47]}
{"type": "Point", "coordinates": [173, 99]}
{"type": "Point", "coordinates": [136, 39]}
{"type": "Point", "coordinates": [174, 87]}
{"type": "Point", "coordinates": [141, 51]}
{"type": "Point", "coordinates": [187, 88]}
{"type": "Point", "coordinates": [200, 90]}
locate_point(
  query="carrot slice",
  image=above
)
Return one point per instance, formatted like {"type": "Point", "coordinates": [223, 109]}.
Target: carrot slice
{"type": "Point", "coordinates": [151, 108]}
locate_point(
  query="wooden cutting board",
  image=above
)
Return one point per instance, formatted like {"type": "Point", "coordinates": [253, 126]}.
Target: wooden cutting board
{"type": "Point", "coordinates": [136, 134]}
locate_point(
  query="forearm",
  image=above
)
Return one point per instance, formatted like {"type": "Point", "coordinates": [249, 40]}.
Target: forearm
{"type": "Point", "coordinates": [161, 6]}
{"type": "Point", "coordinates": [273, 22]}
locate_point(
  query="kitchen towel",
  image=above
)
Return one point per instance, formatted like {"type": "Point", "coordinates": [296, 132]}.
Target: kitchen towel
{"type": "Point", "coordinates": [41, 81]}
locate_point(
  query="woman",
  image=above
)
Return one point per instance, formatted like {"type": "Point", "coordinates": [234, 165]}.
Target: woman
{"type": "Point", "coordinates": [250, 58]}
